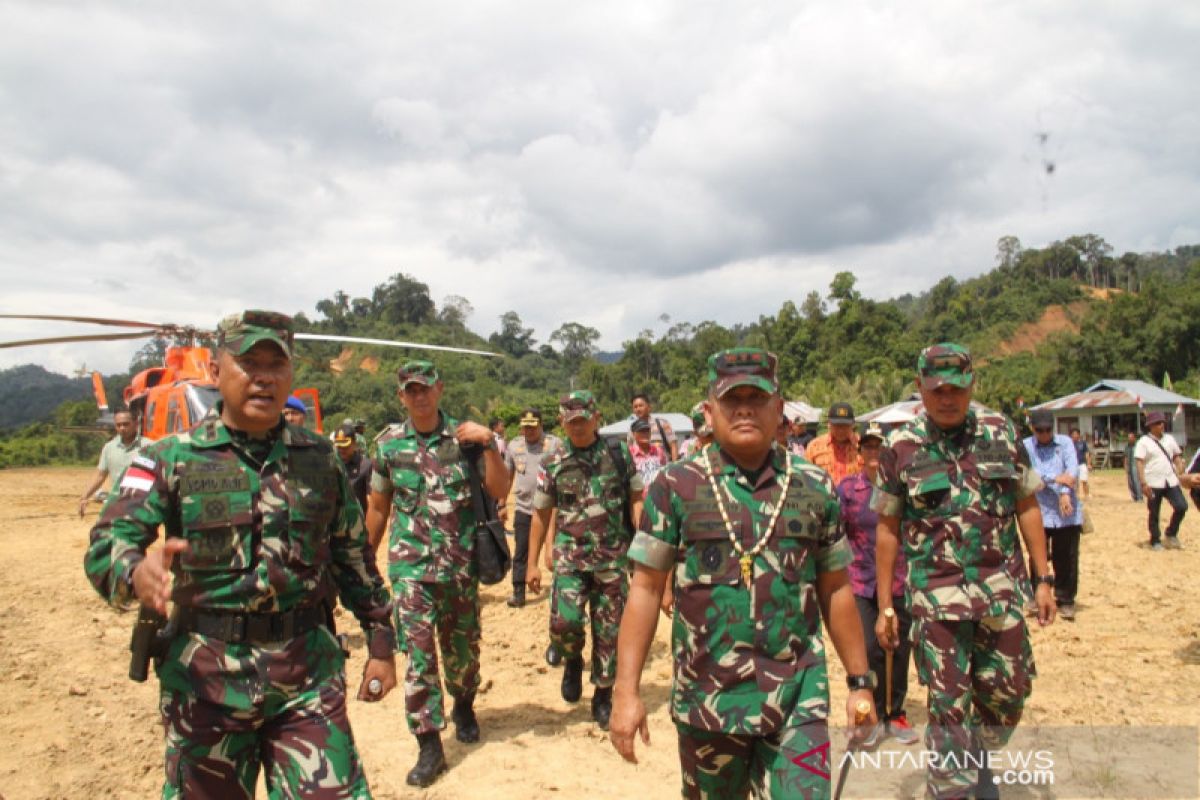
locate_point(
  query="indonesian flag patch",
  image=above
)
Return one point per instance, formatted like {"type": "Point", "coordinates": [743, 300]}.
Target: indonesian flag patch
{"type": "Point", "coordinates": [137, 479]}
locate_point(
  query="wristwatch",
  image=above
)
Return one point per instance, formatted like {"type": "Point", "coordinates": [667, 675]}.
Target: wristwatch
{"type": "Point", "coordinates": [866, 681]}
{"type": "Point", "coordinates": [1046, 579]}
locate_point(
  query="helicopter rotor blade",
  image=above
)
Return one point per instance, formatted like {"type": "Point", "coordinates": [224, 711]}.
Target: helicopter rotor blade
{"type": "Point", "coordinates": [123, 323]}
{"type": "Point", "coordinates": [95, 337]}
{"type": "Point", "coordinates": [321, 337]}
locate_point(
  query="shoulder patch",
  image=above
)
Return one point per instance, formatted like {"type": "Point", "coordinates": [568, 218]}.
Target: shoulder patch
{"type": "Point", "coordinates": [136, 479]}
{"type": "Point", "coordinates": [144, 462]}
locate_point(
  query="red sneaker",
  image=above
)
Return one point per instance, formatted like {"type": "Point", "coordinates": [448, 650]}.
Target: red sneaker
{"type": "Point", "coordinates": [902, 731]}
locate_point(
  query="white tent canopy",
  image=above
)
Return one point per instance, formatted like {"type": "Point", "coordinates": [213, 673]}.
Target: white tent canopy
{"type": "Point", "coordinates": [893, 413]}
{"type": "Point", "coordinates": [682, 424]}
{"type": "Point", "coordinates": [798, 411]}
{"type": "Point", "coordinates": [903, 411]}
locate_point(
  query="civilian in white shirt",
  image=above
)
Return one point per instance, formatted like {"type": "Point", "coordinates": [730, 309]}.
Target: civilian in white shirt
{"type": "Point", "coordinates": [115, 456]}
{"type": "Point", "coordinates": [1159, 463]}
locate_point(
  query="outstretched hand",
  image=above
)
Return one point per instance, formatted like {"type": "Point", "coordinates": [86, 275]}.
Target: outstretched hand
{"type": "Point", "coordinates": [152, 575]}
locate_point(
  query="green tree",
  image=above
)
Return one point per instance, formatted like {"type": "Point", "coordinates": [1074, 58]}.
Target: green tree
{"type": "Point", "coordinates": [455, 311]}
{"type": "Point", "coordinates": [577, 342]}
{"type": "Point", "coordinates": [513, 337]}
{"type": "Point", "coordinates": [403, 300]}
{"type": "Point", "coordinates": [841, 288]}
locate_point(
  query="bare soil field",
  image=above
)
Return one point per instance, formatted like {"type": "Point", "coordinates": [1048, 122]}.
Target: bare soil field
{"type": "Point", "coordinates": [75, 727]}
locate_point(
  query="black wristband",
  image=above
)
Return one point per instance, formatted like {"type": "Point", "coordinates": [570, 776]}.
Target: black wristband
{"type": "Point", "coordinates": [866, 681]}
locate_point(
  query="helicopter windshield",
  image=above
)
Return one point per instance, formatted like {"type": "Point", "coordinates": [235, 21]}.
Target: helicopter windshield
{"type": "Point", "coordinates": [200, 399]}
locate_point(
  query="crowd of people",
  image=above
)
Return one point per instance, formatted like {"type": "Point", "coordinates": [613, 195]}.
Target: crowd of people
{"type": "Point", "coordinates": [931, 542]}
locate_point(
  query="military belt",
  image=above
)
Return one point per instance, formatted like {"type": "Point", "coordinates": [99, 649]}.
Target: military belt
{"type": "Point", "coordinates": [239, 626]}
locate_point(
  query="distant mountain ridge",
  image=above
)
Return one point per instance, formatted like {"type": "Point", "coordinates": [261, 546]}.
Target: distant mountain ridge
{"type": "Point", "coordinates": [29, 393]}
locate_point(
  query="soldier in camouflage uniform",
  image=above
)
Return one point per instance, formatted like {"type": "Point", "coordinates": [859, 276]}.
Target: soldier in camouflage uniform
{"type": "Point", "coordinates": [421, 483]}
{"type": "Point", "coordinates": [958, 484]}
{"type": "Point", "coordinates": [261, 529]}
{"type": "Point", "coordinates": [751, 534]}
{"type": "Point", "coordinates": [588, 494]}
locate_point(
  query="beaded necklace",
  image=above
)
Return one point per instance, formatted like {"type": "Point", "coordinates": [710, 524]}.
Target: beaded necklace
{"type": "Point", "coordinates": [746, 557]}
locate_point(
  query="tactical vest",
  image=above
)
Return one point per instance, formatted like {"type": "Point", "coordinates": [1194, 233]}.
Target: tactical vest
{"type": "Point", "coordinates": [776, 622]}
{"type": "Point", "coordinates": [576, 495]}
{"type": "Point", "coordinates": [227, 509]}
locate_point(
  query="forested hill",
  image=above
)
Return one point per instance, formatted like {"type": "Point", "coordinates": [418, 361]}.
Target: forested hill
{"type": "Point", "coordinates": [832, 344]}
{"type": "Point", "coordinates": [29, 393]}
{"type": "Point", "coordinates": [1133, 316]}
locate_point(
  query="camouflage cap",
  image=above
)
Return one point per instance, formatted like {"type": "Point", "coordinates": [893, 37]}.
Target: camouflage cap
{"type": "Point", "coordinates": [742, 366]}
{"type": "Point", "coordinates": [579, 403]}
{"type": "Point", "coordinates": [422, 372]}
{"type": "Point", "coordinates": [700, 425]}
{"type": "Point", "coordinates": [237, 333]}
{"type": "Point", "coordinates": [944, 363]}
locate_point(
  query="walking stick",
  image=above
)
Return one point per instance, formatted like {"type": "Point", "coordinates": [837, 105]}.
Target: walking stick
{"type": "Point", "coordinates": [862, 712]}
{"type": "Point", "coordinates": [890, 616]}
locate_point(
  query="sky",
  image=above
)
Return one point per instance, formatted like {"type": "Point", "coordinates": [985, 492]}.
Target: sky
{"type": "Point", "coordinates": [602, 163]}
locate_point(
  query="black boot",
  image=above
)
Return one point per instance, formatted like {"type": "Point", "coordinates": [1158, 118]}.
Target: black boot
{"type": "Point", "coordinates": [466, 727]}
{"type": "Point", "coordinates": [602, 706]}
{"type": "Point", "coordinates": [553, 657]}
{"type": "Point", "coordinates": [985, 786]}
{"type": "Point", "coordinates": [517, 598]}
{"type": "Point", "coordinates": [431, 761]}
{"type": "Point", "coordinates": [572, 682]}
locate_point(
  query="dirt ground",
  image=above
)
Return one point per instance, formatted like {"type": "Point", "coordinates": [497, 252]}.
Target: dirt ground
{"type": "Point", "coordinates": [74, 726]}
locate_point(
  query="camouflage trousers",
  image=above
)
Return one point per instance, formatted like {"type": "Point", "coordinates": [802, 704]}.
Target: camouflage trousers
{"type": "Point", "coordinates": [979, 673]}
{"type": "Point", "coordinates": [790, 762]}
{"type": "Point", "coordinates": [604, 593]}
{"type": "Point", "coordinates": [231, 709]}
{"type": "Point", "coordinates": [429, 617]}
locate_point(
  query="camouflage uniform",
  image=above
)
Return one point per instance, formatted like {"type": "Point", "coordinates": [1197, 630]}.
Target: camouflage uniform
{"type": "Point", "coordinates": [750, 695]}
{"type": "Point", "coordinates": [699, 428]}
{"type": "Point", "coordinates": [431, 566]}
{"type": "Point", "coordinates": [272, 527]}
{"type": "Point", "coordinates": [590, 542]}
{"type": "Point", "coordinates": [956, 494]}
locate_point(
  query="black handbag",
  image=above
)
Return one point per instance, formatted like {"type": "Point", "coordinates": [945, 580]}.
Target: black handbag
{"type": "Point", "coordinates": [492, 557]}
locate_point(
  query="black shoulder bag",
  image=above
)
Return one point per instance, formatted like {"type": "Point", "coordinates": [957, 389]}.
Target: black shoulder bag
{"type": "Point", "coordinates": [662, 434]}
{"type": "Point", "coordinates": [618, 457]}
{"type": "Point", "coordinates": [492, 557]}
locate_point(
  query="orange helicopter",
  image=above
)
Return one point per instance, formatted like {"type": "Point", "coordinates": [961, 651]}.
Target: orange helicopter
{"type": "Point", "coordinates": [174, 397]}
